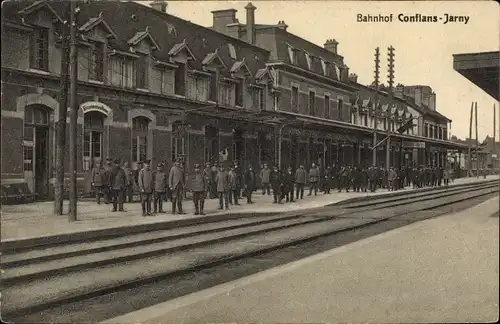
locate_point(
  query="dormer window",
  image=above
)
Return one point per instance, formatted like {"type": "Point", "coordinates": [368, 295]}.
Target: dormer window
{"type": "Point", "coordinates": [40, 49]}
{"type": "Point", "coordinates": [141, 75]}
{"type": "Point", "coordinates": [180, 79]}
{"type": "Point", "coordinates": [309, 60]}
{"type": "Point", "coordinates": [232, 51]}
{"type": "Point", "coordinates": [239, 92]}
{"type": "Point", "coordinates": [324, 66]}
{"type": "Point", "coordinates": [96, 62]}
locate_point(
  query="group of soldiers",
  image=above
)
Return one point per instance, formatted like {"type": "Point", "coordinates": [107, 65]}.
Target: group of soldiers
{"type": "Point", "coordinates": [229, 183]}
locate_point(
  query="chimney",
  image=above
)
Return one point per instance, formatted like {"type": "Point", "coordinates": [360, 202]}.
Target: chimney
{"type": "Point", "coordinates": [344, 73]}
{"type": "Point", "coordinates": [159, 5]}
{"type": "Point", "coordinates": [331, 45]}
{"type": "Point", "coordinates": [353, 77]}
{"type": "Point", "coordinates": [250, 22]}
{"type": "Point", "coordinates": [399, 91]}
{"type": "Point", "coordinates": [418, 96]}
{"type": "Point", "coordinates": [282, 25]}
{"type": "Point", "coordinates": [432, 101]}
{"type": "Point", "coordinates": [224, 17]}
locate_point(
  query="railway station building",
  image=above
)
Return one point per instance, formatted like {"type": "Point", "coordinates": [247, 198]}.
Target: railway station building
{"type": "Point", "coordinates": [156, 87]}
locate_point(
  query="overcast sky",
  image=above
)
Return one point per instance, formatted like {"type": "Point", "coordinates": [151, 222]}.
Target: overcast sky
{"type": "Point", "coordinates": [424, 51]}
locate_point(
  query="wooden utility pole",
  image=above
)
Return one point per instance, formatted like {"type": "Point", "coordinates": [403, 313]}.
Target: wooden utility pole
{"type": "Point", "coordinates": [73, 115]}
{"type": "Point", "coordinates": [477, 142]}
{"type": "Point", "coordinates": [469, 167]}
{"type": "Point", "coordinates": [61, 125]}
{"type": "Point", "coordinates": [494, 149]}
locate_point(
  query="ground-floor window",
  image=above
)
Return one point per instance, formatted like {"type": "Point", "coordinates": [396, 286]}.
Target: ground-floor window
{"type": "Point", "coordinates": [211, 144]}
{"type": "Point", "coordinates": [238, 145]}
{"type": "Point", "coordinates": [178, 141]}
{"type": "Point", "coordinates": [140, 138]}
{"type": "Point", "coordinates": [92, 138]}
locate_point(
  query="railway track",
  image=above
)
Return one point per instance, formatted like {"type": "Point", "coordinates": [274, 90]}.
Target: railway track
{"type": "Point", "coordinates": [41, 278]}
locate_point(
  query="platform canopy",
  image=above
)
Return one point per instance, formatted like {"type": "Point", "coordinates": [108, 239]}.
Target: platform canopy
{"type": "Point", "coordinates": [481, 69]}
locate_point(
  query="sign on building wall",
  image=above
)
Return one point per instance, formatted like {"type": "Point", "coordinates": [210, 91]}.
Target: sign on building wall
{"type": "Point", "coordinates": [413, 144]}
{"type": "Point", "coordinates": [95, 106]}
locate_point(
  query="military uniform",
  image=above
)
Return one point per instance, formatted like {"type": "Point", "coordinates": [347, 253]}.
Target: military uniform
{"type": "Point", "coordinates": [98, 179]}
{"type": "Point", "coordinates": [288, 181]}
{"type": "Point", "coordinates": [176, 184]}
{"type": "Point", "coordinates": [146, 186]}
{"type": "Point", "coordinates": [199, 187]}
{"type": "Point", "coordinates": [160, 189]}
{"type": "Point", "coordinates": [276, 182]}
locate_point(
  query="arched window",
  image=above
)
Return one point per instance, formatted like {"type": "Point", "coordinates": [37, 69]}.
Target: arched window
{"type": "Point", "coordinates": [35, 116]}
{"type": "Point", "coordinates": [140, 140]}
{"type": "Point", "coordinates": [178, 141]}
{"type": "Point", "coordinates": [93, 134]}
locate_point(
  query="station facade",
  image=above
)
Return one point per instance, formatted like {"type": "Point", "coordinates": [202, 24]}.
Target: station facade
{"type": "Point", "coordinates": [155, 87]}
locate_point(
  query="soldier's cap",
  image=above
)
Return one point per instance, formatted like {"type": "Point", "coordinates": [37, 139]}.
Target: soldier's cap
{"type": "Point", "coordinates": [178, 160]}
{"type": "Point", "coordinates": [160, 165]}
{"type": "Point", "coordinates": [196, 166]}
{"type": "Point", "coordinates": [108, 159]}
{"type": "Point", "coordinates": [117, 161]}
{"type": "Point", "coordinates": [147, 161]}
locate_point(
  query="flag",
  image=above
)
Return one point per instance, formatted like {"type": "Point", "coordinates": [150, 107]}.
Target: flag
{"type": "Point", "coordinates": [223, 155]}
{"type": "Point", "coordinates": [406, 126]}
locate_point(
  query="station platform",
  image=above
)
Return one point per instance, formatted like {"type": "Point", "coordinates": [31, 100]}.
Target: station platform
{"type": "Point", "coordinates": [439, 270]}
{"type": "Point", "coordinates": [35, 220]}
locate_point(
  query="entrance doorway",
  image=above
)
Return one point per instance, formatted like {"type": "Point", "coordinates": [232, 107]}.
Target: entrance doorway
{"type": "Point", "coordinates": [41, 162]}
{"type": "Point", "coordinates": [36, 149]}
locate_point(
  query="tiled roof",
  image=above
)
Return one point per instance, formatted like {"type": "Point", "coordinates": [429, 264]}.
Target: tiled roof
{"type": "Point", "coordinates": [129, 18]}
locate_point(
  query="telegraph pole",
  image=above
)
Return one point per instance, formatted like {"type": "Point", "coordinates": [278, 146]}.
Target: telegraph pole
{"type": "Point", "coordinates": [73, 114]}
{"type": "Point", "coordinates": [494, 150]}
{"type": "Point", "coordinates": [469, 171]}
{"type": "Point", "coordinates": [376, 82]}
{"type": "Point", "coordinates": [477, 151]}
{"type": "Point", "coordinates": [61, 127]}
{"type": "Point", "coordinates": [390, 65]}
{"type": "Point", "coordinates": [390, 78]}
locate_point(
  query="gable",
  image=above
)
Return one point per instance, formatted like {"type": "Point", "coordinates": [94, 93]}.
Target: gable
{"type": "Point", "coordinates": [98, 28]}
{"type": "Point", "coordinates": [241, 68]}
{"type": "Point", "coordinates": [138, 40]}
{"type": "Point", "coordinates": [214, 59]}
{"type": "Point", "coordinates": [38, 7]}
{"type": "Point", "coordinates": [182, 50]}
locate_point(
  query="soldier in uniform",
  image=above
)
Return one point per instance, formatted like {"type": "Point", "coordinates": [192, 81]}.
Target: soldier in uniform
{"type": "Point", "coordinates": [176, 184]}
{"type": "Point", "coordinates": [276, 182]}
{"type": "Point", "coordinates": [364, 179]}
{"type": "Point", "coordinates": [234, 185]}
{"type": "Point", "coordinates": [97, 180]}
{"type": "Point", "coordinates": [344, 178]}
{"type": "Point", "coordinates": [199, 186]}
{"type": "Point", "coordinates": [313, 179]}
{"type": "Point", "coordinates": [129, 191]}
{"type": "Point", "coordinates": [223, 186]}
{"type": "Point", "coordinates": [160, 188]}
{"type": "Point", "coordinates": [249, 184]}
{"type": "Point", "coordinates": [300, 180]}
{"type": "Point", "coordinates": [107, 181]}
{"type": "Point", "coordinates": [118, 184]}
{"type": "Point", "coordinates": [372, 178]}
{"type": "Point", "coordinates": [146, 186]}
{"type": "Point", "coordinates": [327, 183]}
{"type": "Point", "coordinates": [207, 173]}
{"type": "Point", "coordinates": [213, 187]}
{"type": "Point", "coordinates": [288, 181]}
